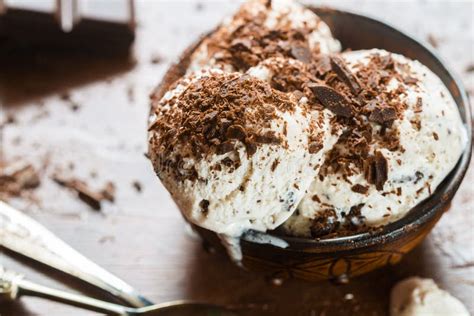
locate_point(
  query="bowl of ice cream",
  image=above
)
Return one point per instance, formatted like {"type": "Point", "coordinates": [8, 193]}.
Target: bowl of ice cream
{"type": "Point", "coordinates": [304, 162]}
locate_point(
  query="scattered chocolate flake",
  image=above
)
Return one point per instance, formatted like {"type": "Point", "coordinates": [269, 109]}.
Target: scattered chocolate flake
{"type": "Point", "coordinates": [340, 68]}
{"type": "Point", "coordinates": [332, 100]}
{"type": "Point", "coordinates": [470, 68]}
{"type": "Point", "coordinates": [108, 192]}
{"type": "Point", "coordinates": [383, 114]}
{"type": "Point", "coordinates": [432, 40]}
{"type": "Point", "coordinates": [199, 6]}
{"type": "Point", "coordinates": [17, 178]}
{"type": "Point", "coordinates": [137, 186]}
{"type": "Point", "coordinates": [359, 188]}
{"type": "Point", "coordinates": [435, 136]}
{"type": "Point", "coordinates": [107, 238]}
{"type": "Point", "coordinates": [156, 59]}
{"type": "Point", "coordinates": [86, 194]}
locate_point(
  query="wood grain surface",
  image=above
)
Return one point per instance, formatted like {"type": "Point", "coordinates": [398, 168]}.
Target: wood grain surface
{"type": "Point", "coordinates": [86, 117]}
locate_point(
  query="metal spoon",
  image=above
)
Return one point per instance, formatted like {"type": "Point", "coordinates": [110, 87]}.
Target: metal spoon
{"type": "Point", "coordinates": [13, 285]}
{"type": "Point", "coordinates": [22, 234]}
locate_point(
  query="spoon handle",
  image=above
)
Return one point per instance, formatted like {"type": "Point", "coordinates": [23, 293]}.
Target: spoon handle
{"type": "Point", "coordinates": [24, 235]}
{"type": "Point", "coordinates": [13, 286]}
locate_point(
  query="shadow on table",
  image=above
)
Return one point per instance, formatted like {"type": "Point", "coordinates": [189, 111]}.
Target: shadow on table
{"type": "Point", "coordinates": [212, 277]}
{"type": "Point", "coordinates": [28, 74]}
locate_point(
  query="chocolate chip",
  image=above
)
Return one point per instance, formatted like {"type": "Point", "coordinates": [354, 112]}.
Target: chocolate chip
{"type": "Point", "coordinates": [332, 100]}
{"type": "Point", "coordinates": [381, 170]}
{"type": "Point", "coordinates": [359, 188]}
{"type": "Point", "coordinates": [346, 76]}
{"type": "Point", "coordinates": [204, 205]}
{"type": "Point", "coordinates": [301, 52]}
{"type": "Point", "coordinates": [383, 114]}
{"type": "Point", "coordinates": [275, 164]}
{"type": "Point", "coordinates": [376, 170]}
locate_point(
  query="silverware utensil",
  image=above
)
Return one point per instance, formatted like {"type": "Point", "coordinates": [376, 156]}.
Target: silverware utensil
{"type": "Point", "coordinates": [22, 234]}
{"type": "Point", "coordinates": [14, 285]}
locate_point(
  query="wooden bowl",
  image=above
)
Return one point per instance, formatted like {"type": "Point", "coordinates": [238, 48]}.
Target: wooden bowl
{"type": "Point", "coordinates": [345, 257]}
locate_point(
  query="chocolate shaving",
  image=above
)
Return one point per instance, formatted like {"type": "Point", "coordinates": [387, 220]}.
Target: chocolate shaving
{"type": "Point", "coordinates": [332, 100]}
{"type": "Point", "coordinates": [86, 194]}
{"type": "Point", "coordinates": [383, 115]}
{"type": "Point", "coordinates": [16, 179]}
{"type": "Point", "coordinates": [346, 76]}
{"type": "Point", "coordinates": [376, 170]}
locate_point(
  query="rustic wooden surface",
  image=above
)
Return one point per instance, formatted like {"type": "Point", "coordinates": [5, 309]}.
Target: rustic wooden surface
{"type": "Point", "coordinates": [141, 237]}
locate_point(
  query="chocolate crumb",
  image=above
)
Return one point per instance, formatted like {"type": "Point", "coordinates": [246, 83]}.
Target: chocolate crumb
{"type": "Point", "coordinates": [435, 136]}
{"type": "Point", "coordinates": [137, 186]}
{"type": "Point", "coordinates": [156, 59]}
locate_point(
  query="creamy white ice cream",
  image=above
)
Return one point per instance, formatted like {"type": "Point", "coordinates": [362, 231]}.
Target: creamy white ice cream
{"type": "Point", "coordinates": [431, 136]}
{"type": "Point", "coordinates": [234, 153]}
{"type": "Point", "coordinates": [261, 29]}
{"type": "Point", "coordinates": [421, 297]}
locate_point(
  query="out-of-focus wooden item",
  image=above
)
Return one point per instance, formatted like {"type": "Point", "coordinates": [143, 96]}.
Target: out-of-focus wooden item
{"type": "Point", "coordinates": [87, 117]}
{"type": "Point", "coordinates": [105, 27]}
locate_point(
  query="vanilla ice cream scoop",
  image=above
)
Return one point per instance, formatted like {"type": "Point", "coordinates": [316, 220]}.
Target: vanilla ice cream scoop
{"type": "Point", "coordinates": [404, 137]}
{"type": "Point", "coordinates": [234, 153]}
{"type": "Point", "coordinates": [421, 297]}
{"type": "Point", "coordinates": [262, 29]}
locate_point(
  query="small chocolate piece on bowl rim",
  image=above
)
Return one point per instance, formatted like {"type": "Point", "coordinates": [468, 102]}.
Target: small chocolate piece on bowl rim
{"type": "Point", "coordinates": [344, 257]}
